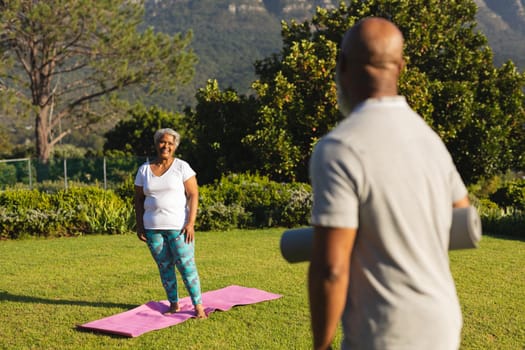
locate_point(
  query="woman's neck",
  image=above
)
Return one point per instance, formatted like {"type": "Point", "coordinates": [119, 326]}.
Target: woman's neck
{"type": "Point", "coordinates": [164, 161]}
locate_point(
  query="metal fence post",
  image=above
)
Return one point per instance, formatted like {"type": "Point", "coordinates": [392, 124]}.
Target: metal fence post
{"type": "Point", "coordinates": [104, 169]}
{"type": "Point", "coordinates": [30, 175]}
{"type": "Point", "coordinates": [65, 174]}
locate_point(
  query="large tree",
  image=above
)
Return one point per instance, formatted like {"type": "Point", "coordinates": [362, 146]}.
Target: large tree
{"type": "Point", "coordinates": [133, 135]}
{"type": "Point", "coordinates": [450, 80]}
{"type": "Point", "coordinates": [72, 59]}
{"type": "Point", "coordinates": [214, 132]}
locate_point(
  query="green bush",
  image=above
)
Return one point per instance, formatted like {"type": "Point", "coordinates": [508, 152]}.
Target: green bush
{"type": "Point", "coordinates": [126, 189]}
{"type": "Point", "coordinates": [503, 223]}
{"type": "Point", "coordinates": [75, 211]}
{"type": "Point", "coordinates": [250, 201]}
{"type": "Point", "coordinates": [501, 205]}
{"type": "Point", "coordinates": [7, 175]}
{"type": "Point", "coordinates": [510, 195]}
{"type": "Point", "coordinates": [235, 201]}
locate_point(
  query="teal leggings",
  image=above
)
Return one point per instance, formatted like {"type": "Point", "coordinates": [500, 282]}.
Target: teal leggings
{"type": "Point", "coordinates": [169, 249]}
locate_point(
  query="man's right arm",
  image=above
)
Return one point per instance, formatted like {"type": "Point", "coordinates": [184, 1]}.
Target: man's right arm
{"type": "Point", "coordinates": [328, 280]}
{"type": "Point", "coordinates": [462, 203]}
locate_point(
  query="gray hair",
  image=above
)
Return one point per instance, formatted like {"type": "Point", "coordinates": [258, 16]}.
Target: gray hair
{"type": "Point", "coordinates": [160, 132]}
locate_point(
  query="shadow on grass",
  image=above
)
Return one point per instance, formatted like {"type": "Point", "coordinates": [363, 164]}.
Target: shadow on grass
{"type": "Point", "coordinates": [6, 296]}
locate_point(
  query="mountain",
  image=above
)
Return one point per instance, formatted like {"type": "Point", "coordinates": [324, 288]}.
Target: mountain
{"type": "Point", "coordinates": [230, 35]}
{"type": "Point", "coordinates": [503, 23]}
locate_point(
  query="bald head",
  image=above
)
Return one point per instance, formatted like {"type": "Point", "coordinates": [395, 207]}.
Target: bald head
{"type": "Point", "coordinates": [371, 60]}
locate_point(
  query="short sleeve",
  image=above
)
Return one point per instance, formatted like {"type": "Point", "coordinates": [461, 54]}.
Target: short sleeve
{"type": "Point", "coordinates": [186, 170]}
{"type": "Point", "coordinates": [459, 190]}
{"type": "Point", "coordinates": [141, 173]}
{"type": "Point", "coordinates": [335, 174]}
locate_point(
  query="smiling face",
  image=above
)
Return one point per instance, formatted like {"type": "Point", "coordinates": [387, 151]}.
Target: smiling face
{"type": "Point", "coordinates": [166, 146]}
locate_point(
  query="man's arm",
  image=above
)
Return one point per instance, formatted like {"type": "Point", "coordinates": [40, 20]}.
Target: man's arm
{"type": "Point", "coordinates": [328, 280]}
{"type": "Point", "coordinates": [462, 203]}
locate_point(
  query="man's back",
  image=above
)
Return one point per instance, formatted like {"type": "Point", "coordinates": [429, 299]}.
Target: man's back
{"type": "Point", "coordinates": [399, 195]}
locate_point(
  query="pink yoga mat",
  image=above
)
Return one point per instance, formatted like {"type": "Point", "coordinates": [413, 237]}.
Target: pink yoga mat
{"type": "Point", "coordinates": [148, 317]}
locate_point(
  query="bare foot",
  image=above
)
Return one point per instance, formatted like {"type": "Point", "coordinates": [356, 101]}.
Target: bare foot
{"type": "Point", "coordinates": [199, 311]}
{"type": "Point", "coordinates": [174, 307]}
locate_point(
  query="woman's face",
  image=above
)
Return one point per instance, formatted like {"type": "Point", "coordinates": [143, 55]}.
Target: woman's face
{"type": "Point", "coordinates": [166, 146]}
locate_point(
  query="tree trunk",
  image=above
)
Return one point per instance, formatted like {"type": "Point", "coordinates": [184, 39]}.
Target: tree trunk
{"type": "Point", "coordinates": [42, 133]}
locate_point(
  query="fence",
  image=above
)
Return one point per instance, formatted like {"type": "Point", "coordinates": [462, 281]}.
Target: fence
{"type": "Point", "coordinates": [103, 171]}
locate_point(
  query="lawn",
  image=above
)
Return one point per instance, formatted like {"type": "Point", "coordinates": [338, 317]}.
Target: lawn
{"type": "Point", "coordinates": [49, 286]}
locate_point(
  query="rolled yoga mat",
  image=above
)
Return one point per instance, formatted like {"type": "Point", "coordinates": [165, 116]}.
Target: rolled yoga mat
{"type": "Point", "coordinates": [296, 244]}
{"type": "Point", "coordinates": [465, 233]}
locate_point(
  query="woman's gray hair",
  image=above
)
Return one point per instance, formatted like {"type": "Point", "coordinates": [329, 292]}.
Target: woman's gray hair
{"type": "Point", "coordinates": [160, 132]}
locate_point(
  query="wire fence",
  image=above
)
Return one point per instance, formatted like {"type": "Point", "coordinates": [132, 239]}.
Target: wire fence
{"type": "Point", "coordinates": [65, 172]}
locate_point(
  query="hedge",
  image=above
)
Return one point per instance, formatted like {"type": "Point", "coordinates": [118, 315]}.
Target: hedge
{"type": "Point", "coordinates": [234, 201]}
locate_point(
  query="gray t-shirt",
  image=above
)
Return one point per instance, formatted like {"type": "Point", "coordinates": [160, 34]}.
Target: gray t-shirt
{"type": "Point", "coordinates": [385, 172]}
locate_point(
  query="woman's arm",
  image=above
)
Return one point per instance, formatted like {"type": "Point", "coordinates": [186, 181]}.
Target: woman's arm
{"type": "Point", "coordinates": [139, 212]}
{"type": "Point", "coordinates": [192, 196]}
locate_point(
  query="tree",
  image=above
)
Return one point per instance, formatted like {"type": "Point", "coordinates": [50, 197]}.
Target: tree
{"type": "Point", "coordinates": [73, 59]}
{"type": "Point", "coordinates": [450, 80]}
{"type": "Point", "coordinates": [298, 105]}
{"type": "Point", "coordinates": [216, 129]}
{"type": "Point", "coordinates": [134, 135]}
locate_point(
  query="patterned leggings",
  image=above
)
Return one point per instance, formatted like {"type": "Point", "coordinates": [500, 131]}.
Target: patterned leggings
{"type": "Point", "coordinates": [169, 249]}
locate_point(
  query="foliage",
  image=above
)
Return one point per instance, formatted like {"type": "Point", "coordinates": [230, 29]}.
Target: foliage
{"type": "Point", "coordinates": [511, 195]}
{"type": "Point", "coordinates": [215, 131]}
{"type": "Point", "coordinates": [213, 214]}
{"type": "Point", "coordinates": [235, 201]}
{"type": "Point", "coordinates": [68, 151]}
{"type": "Point", "coordinates": [246, 200]}
{"type": "Point", "coordinates": [107, 172]}
{"type": "Point", "coordinates": [63, 213]}
{"type": "Point", "coordinates": [7, 174]}
{"type": "Point", "coordinates": [500, 202]}
{"type": "Point", "coordinates": [298, 99]}
{"type": "Point", "coordinates": [500, 222]}
{"type": "Point", "coordinates": [134, 134]}
{"type": "Point", "coordinates": [70, 58]}
{"type": "Point", "coordinates": [477, 109]}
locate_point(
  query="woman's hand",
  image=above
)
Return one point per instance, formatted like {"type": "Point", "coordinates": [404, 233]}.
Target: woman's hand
{"type": "Point", "coordinates": [189, 233]}
{"type": "Point", "coordinates": [142, 235]}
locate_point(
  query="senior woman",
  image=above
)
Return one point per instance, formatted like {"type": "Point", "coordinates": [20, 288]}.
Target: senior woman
{"type": "Point", "coordinates": [166, 200]}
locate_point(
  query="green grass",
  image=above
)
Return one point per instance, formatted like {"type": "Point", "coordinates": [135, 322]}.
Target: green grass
{"type": "Point", "coordinates": [49, 286]}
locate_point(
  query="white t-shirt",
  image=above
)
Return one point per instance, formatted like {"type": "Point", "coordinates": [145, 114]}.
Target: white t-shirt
{"type": "Point", "coordinates": [165, 203]}
{"type": "Point", "coordinates": [384, 172]}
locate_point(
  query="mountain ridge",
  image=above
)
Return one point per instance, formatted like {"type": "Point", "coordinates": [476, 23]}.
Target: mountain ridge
{"type": "Point", "coordinates": [240, 32]}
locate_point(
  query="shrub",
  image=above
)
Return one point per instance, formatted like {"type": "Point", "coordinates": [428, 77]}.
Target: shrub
{"type": "Point", "coordinates": [510, 195]}
{"type": "Point", "coordinates": [7, 175]}
{"type": "Point", "coordinates": [502, 212]}
{"type": "Point", "coordinates": [75, 211]}
{"type": "Point", "coordinates": [248, 201]}
{"type": "Point", "coordinates": [503, 223]}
